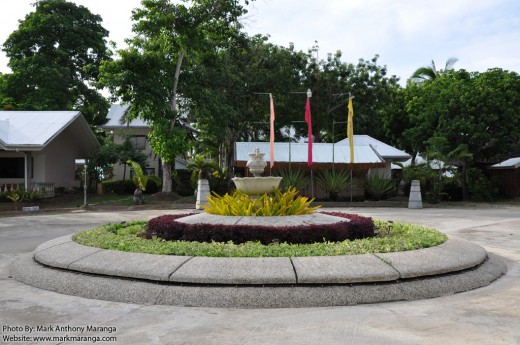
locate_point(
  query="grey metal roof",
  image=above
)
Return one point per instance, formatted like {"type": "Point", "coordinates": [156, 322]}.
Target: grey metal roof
{"type": "Point", "coordinates": [33, 130]}
{"type": "Point", "coordinates": [321, 152]}
{"type": "Point", "coordinates": [511, 163]}
{"type": "Point", "coordinates": [384, 150]}
{"type": "Point", "coordinates": [116, 112]}
{"type": "Point", "coordinates": [434, 164]}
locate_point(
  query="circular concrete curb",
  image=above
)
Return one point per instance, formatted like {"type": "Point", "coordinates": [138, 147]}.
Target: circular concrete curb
{"type": "Point", "coordinates": [143, 292]}
{"type": "Point", "coordinates": [64, 266]}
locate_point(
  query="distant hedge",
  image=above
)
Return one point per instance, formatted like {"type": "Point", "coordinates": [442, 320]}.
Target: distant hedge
{"type": "Point", "coordinates": [128, 186]}
{"type": "Point", "coordinates": [167, 227]}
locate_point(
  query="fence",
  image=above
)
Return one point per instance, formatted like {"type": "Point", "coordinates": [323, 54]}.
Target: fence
{"type": "Point", "coordinates": [46, 190]}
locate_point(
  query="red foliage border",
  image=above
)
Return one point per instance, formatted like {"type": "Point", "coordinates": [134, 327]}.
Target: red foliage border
{"type": "Point", "coordinates": [167, 227]}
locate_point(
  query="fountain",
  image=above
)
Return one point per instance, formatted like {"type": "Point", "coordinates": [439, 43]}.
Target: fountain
{"type": "Point", "coordinates": [257, 185]}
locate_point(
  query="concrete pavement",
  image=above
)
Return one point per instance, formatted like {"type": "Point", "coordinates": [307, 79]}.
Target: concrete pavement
{"type": "Point", "coordinates": [487, 315]}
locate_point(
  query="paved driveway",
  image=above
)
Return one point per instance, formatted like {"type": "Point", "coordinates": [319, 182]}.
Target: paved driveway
{"type": "Point", "coordinates": [489, 315]}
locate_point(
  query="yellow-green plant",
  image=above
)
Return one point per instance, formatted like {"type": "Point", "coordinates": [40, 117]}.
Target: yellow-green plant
{"type": "Point", "coordinates": [278, 204]}
{"type": "Point", "coordinates": [140, 178]}
{"type": "Point", "coordinates": [16, 198]}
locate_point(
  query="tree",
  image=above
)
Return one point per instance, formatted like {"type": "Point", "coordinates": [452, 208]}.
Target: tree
{"type": "Point", "coordinates": [477, 110]}
{"type": "Point", "coordinates": [6, 102]}
{"type": "Point", "coordinates": [226, 89]}
{"type": "Point", "coordinates": [430, 72]}
{"type": "Point", "coordinates": [367, 81]}
{"type": "Point", "coordinates": [54, 56]}
{"type": "Point", "coordinates": [148, 73]}
{"type": "Point", "coordinates": [110, 153]}
{"type": "Point", "coordinates": [439, 151]}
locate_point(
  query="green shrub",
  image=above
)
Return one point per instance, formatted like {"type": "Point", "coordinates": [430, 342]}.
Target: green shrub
{"type": "Point", "coordinates": [452, 191]}
{"type": "Point", "coordinates": [119, 186]}
{"type": "Point", "coordinates": [182, 183]}
{"type": "Point", "coordinates": [334, 182]}
{"type": "Point", "coordinates": [480, 187]}
{"type": "Point", "coordinates": [154, 184]}
{"type": "Point", "coordinates": [219, 182]}
{"type": "Point", "coordinates": [421, 172]}
{"type": "Point", "coordinates": [278, 204]}
{"type": "Point", "coordinates": [378, 186]}
{"type": "Point", "coordinates": [294, 178]}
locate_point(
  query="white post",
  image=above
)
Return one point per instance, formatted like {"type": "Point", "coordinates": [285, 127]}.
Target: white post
{"type": "Point", "coordinates": [202, 194]}
{"type": "Point", "coordinates": [415, 200]}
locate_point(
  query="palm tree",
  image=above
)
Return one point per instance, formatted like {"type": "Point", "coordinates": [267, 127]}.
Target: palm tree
{"type": "Point", "coordinates": [430, 72]}
{"type": "Point", "coordinates": [440, 150]}
{"type": "Point", "coordinates": [140, 180]}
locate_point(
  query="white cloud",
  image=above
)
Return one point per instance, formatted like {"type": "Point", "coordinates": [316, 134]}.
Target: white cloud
{"type": "Point", "coordinates": [406, 34]}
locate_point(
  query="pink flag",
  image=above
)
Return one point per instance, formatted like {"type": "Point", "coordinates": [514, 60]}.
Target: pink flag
{"type": "Point", "coordinates": [271, 141]}
{"type": "Point", "coordinates": [309, 130]}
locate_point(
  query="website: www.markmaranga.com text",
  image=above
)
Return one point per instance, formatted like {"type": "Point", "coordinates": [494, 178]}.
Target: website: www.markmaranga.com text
{"type": "Point", "coordinates": [14, 334]}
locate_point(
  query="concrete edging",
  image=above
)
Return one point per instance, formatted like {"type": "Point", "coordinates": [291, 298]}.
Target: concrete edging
{"type": "Point", "coordinates": [66, 267]}
{"type": "Point", "coordinates": [142, 292]}
{"type": "Point", "coordinates": [451, 256]}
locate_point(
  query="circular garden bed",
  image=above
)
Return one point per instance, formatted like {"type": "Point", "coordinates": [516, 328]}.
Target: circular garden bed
{"type": "Point", "coordinates": [357, 235]}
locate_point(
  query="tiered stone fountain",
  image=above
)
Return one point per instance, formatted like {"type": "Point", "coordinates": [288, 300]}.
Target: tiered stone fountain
{"type": "Point", "coordinates": [257, 185]}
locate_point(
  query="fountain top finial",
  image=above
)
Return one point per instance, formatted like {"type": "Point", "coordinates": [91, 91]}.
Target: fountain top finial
{"type": "Point", "coordinates": [256, 163]}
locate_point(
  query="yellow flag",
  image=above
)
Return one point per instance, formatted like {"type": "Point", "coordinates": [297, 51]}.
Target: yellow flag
{"type": "Point", "coordinates": [350, 129]}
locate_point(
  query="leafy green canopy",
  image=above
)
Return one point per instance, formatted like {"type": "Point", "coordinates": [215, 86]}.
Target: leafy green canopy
{"type": "Point", "coordinates": [54, 56]}
{"type": "Point", "coordinates": [478, 110]}
{"type": "Point", "coordinates": [148, 74]}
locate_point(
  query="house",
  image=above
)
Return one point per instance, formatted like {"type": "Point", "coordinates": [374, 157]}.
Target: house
{"type": "Point", "coordinates": [38, 149]}
{"type": "Point", "coordinates": [388, 153]}
{"type": "Point", "coordinates": [370, 156]}
{"type": "Point", "coordinates": [508, 173]}
{"type": "Point", "coordinates": [137, 130]}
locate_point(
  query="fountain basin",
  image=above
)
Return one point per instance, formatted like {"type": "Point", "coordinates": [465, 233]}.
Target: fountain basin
{"type": "Point", "coordinates": [257, 185]}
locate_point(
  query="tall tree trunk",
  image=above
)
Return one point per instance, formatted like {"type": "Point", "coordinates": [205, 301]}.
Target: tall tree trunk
{"type": "Point", "coordinates": [167, 177]}
{"type": "Point", "coordinates": [167, 169]}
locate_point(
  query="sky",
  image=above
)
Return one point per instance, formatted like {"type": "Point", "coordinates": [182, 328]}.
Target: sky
{"type": "Point", "coordinates": [406, 34]}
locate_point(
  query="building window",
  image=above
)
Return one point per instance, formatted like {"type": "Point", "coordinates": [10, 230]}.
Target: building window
{"type": "Point", "coordinates": [12, 167]}
{"type": "Point", "coordinates": [138, 142]}
{"type": "Point", "coordinates": [147, 171]}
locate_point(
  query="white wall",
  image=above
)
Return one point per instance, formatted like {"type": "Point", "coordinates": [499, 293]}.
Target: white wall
{"type": "Point", "coordinates": [58, 161]}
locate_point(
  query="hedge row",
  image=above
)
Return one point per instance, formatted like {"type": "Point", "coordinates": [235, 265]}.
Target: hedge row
{"type": "Point", "coordinates": [167, 227]}
{"type": "Point", "coordinates": [128, 187]}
